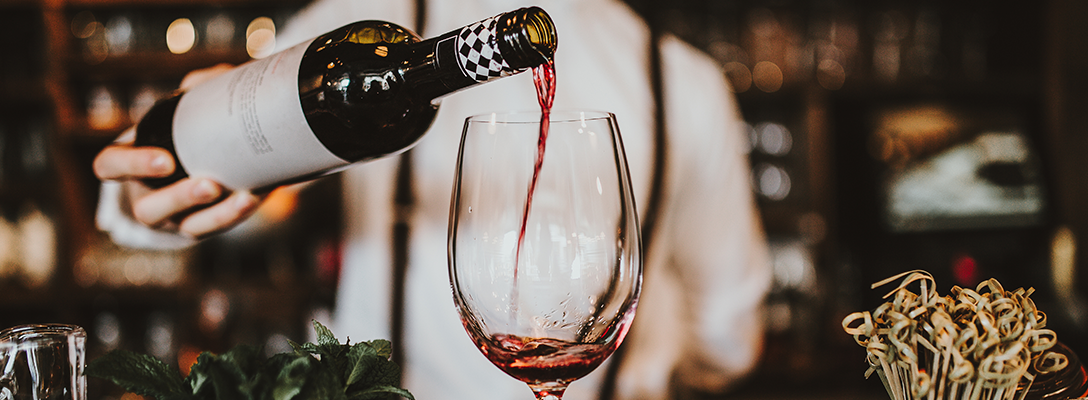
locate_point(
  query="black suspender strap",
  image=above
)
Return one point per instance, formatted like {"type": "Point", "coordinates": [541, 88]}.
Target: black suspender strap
{"type": "Point", "coordinates": [403, 202]}
{"type": "Point", "coordinates": [657, 183]}
{"type": "Point", "coordinates": [657, 186]}
{"type": "Point", "coordinates": [403, 206]}
{"type": "Point", "coordinates": [421, 16]}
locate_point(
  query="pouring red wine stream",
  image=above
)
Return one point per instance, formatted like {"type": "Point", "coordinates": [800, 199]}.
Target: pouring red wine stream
{"type": "Point", "coordinates": [544, 80]}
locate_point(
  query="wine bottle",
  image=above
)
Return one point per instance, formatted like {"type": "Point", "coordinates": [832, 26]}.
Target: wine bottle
{"type": "Point", "coordinates": [364, 91]}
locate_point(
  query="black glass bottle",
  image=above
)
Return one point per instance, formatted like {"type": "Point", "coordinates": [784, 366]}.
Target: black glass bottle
{"type": "Point", "coordinates": [364, 91]}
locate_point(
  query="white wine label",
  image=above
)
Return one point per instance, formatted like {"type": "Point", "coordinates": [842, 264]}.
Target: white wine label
{"type": "Point", "coordinates": [245, 128]}
{"type": "Point", "coordinates": [478, 52]}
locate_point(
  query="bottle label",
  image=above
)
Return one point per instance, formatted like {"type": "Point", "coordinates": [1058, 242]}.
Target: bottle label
{"type": "Point", "coordinates": [245, 128]}
{"type": "Point", "coordinates": [478, 52]}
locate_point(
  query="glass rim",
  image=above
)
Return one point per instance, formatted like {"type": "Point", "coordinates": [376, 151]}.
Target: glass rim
{"type": "Point", "coordinates": [36, 332]}
{"type": "Point", "coordinates": [533, 117]}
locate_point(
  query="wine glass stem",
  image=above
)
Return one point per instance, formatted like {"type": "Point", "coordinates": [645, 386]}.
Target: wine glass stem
{"type": "Point", "coordinates": [548, 392]}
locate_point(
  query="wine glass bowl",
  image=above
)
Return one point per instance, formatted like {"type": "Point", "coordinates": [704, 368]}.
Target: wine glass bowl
{"type": "Point", "coordinates": [545, 264]}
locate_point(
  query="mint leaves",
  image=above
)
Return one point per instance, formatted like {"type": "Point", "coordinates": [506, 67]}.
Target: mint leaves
{"type": "Point", "coordinates": [138, 373]}
{"type": "Point", "coordinates": [326, 370]}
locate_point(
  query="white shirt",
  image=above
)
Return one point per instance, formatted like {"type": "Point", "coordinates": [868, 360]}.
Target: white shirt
{"type": "Point", "coordinates": [708, 268]}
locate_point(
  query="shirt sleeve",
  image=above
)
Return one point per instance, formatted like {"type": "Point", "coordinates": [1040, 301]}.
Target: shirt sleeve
{"type": "Point", "coordinates": [112, 218]}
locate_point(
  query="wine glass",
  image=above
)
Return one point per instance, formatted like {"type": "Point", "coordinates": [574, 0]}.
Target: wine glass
{"type": "Point", "coordinates": [545, 258]}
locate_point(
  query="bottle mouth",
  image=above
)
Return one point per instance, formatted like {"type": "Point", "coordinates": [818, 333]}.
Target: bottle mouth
{"type": "Point", "coordinates": [530, 33]}
{"type": "Point", "coordinates": [540, 30]}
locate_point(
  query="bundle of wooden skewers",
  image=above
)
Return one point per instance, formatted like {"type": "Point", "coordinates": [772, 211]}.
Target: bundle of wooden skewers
{"type": "Point", "coordinates": [981, 344]}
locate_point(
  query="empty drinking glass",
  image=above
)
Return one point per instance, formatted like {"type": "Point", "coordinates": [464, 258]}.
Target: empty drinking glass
{"type": "Point", "coordinates": [43, 362]}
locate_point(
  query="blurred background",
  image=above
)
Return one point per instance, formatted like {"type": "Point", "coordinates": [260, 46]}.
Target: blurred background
{"type": "Point", "coordinates": [884, 136]}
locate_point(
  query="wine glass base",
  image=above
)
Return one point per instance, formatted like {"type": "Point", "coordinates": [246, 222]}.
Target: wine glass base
{"type": "Point", "coordinates": [549, 391]}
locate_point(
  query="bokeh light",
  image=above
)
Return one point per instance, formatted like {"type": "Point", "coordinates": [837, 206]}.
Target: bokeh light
{"type": "Point", "coordinates": [740, 77]}
{"type": "Point", "coordinates": [830, 74]}
{"type": "Point", "coordinates": [261, 37]}
{"type": "Point", "coordinates": [180, 36]}
{"type": "Point", "coordinates": [84, 24]}
{"type": "Point", "coordinates": [767, 76]}
{"type": "Point", "coordinates": [772, 181]}
{"type": "Point", "coordinates": [119, 34]}
{"type": "Point", "coordinates": [774, 138]}
{"type": "Point", "coordinates": [219, 31]}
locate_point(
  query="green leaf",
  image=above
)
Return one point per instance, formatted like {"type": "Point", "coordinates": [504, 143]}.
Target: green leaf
{"type": "Point", "coordinates": [324, 384]}
{"type": "Point", "coordinates": [212, 378]}
{"type": "Point", "coordinates": [380, 392]}
{"type": "Point", "coordinates": [309, 348]}
{"type": "Point", "coordinates": [327, 344]}
{"type": "Point", "coordinates": [384, 373]}
{"type": "Point", "coordinates": [324, 335]}
{"type": "Point", "coordinates": [360, 367]}
{"type": "Point", "coordinates": [291, 376]}
{"type": "Point", "coordinates": [247, 359]}
{"type": "Point", "coordinates": [378, 372]}
{"type": "Point", "coordinates": [197, 380]}
{"type": "Point", "coordinates": [226, 385]}
{"type": "Point", "coordinates": [299, 349]}
{"type": "Point", "coordinates": [137, 373]}
{"type": "Point", "coordinates": [326, 370]}
{"type": "Point", "coordinates": [362, 349]}
{"type": "Point", "coordinates": [383, 347]}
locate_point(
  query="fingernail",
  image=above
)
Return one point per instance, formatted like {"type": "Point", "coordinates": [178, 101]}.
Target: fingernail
{"type": "Point", "coordinates": [160, 163]}
{"type": "Point", "coordinates": [243, 202]}
{"type": "Point", "coordinates": [205, 190]}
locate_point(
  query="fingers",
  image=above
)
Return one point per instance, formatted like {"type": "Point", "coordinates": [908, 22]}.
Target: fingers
{"type": "Point", "coordinates": [195, 207]}
{"type": "Point", "coordinates": [158, 208]}
{"type": "Point", "coordinates": [221, 216]}
{"type": "Point", "coordinates": [117, 162]}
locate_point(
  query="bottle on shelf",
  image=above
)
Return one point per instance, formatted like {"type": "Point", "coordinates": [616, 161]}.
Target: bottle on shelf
{"type": "Point", "coordinates": [104, 110]}
{"type": "Point", "coordinates": [364, 91]}
{"type": "Point", "coordinates": [28, 234]}
{"type": "Point", "coordinates": [39, 224]}
{"type": "Point", "coordinates": [142, 98]}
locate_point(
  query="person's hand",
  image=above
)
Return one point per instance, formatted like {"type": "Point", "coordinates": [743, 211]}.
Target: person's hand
{"type": "Point", "coordinates": [195, 207]}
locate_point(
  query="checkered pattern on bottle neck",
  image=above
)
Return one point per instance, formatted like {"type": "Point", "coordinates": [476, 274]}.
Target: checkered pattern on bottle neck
{"type": "Point", "coordinates": [478, 52]}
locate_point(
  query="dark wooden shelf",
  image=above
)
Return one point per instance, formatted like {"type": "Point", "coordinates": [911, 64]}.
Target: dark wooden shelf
{"type": "Point", "coordinates": [23, 92]}
{"type": "Point", "coordinates": [19, 3]}
{"type": "Point", "coordinates": [84, 132]}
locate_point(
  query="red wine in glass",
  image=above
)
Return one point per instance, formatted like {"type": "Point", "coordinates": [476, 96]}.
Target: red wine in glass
{"type": "Point", "coordinates": [546, 365]}
{"type": "Point", "coordinates": [544, 360]}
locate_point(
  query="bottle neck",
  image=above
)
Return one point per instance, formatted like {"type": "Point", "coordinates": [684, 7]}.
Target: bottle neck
{"type": "Point", "coordinates": [527, 37]}
{"type": "Point", "coordinates": [433, 67]}
{"type": "Point", "coordinates": [496, 47]}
